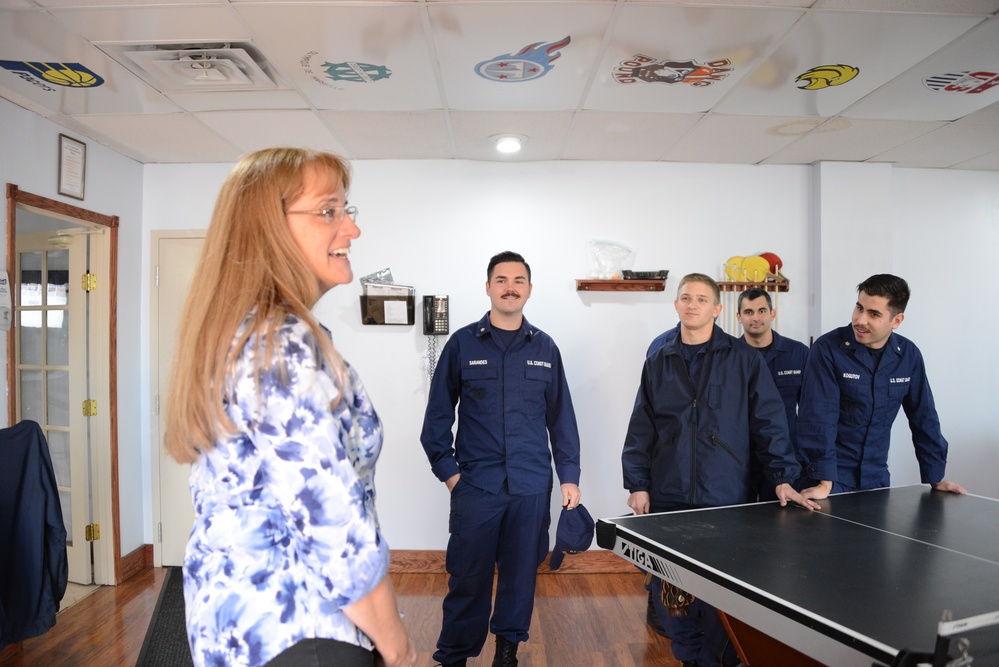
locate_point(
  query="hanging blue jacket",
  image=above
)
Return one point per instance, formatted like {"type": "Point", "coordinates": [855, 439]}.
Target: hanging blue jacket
{"type": "Point", "coordinates": [33, 565]}
{"type": "Point", "coordinates": [510, 403]}
{"type": "Point", "coordinates": [692, 446]}
{"type": "Point", "coordinates": [847, 410]}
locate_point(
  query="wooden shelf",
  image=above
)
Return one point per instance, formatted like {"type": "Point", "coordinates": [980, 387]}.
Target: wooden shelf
{"type": "Point", "coordinates": [770, 286]}
{"type": "Point", "coordinates": [620, 285]}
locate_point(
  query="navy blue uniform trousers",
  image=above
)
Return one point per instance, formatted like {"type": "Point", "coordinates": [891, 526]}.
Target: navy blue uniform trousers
{"type": "Point", "coordinates": [489, 532]}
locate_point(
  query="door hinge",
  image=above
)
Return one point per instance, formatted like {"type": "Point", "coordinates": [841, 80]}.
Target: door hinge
{"type": "Point", "coordinates": [89, 282]}
{"type": "Point", "coordinates": [90, 408]}
{"type": "Point", "coordinates": [93, 532]}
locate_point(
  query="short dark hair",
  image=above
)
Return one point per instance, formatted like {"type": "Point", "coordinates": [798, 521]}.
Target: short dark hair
{"type": "Point", "coordinates": [754, 293]}
{"type": "Point", "coordinates": [507, 256]}
{"type": "Point", "coordinates": [700, 278]}
{"type": "Point", "coordinates": [893, 288]}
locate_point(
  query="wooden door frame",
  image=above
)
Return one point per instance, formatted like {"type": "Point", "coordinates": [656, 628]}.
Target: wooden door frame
{"type": "Point", "coordinates": [17, 197]}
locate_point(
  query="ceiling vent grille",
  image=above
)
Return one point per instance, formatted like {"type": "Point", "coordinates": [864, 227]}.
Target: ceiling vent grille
{"type": "Point", "coordinates": [187, 68]}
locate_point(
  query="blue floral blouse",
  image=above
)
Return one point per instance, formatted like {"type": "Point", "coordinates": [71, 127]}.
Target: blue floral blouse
{"type": "Point", "coordinates": [285, 532]}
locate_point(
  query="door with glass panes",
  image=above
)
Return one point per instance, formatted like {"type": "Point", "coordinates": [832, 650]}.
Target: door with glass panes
{"type": "Point", "coordinates": [52, 369]}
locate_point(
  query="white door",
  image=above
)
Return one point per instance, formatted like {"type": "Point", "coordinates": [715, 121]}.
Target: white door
{"type": "Point", "coordinates": [51, 373]}
{"type": "Point", "coordinates": [175, 260]}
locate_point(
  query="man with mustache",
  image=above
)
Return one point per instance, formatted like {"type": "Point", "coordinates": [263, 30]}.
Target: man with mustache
{"type": "Point", "coordinates": [856, 379]}
{"type": "Point", "coordinates": [505, 376]}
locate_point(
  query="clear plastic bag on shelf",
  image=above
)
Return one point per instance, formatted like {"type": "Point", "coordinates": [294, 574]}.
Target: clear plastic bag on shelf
{"type": "Point", "coordinates": [609, 259]}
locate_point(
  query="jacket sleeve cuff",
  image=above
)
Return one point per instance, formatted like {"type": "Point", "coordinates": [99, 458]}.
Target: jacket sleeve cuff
{"type": "Point", "coordinates": [446, 469]}
{"type": "Point", "coordinates": [819, 472]}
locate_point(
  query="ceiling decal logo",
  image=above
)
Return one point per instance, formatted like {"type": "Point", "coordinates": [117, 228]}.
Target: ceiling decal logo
{"type": "Point", "coordinates": [826, 76]}
{"type": "Point", "coordinates": [69, 75]}
{"type": "Point", "coordinates": [531, 62]}
{"type": "Point", "coordinates": [690, 72]}
{"type": "Point", "coordinates": [971, 83]}
{"type": "Point", "coordinates": [354, 72]}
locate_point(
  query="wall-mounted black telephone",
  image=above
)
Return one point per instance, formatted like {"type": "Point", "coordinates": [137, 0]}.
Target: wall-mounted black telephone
{"type": "Point", "coordinates": [435, 315]}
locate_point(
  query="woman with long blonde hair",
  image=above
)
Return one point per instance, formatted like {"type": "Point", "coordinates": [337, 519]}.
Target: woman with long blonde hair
{"type": "Point", "coordinates": [286, 564]}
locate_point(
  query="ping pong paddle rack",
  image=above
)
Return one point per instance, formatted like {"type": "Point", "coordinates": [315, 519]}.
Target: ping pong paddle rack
{"type": "Point", "coordinates": [947, 632]}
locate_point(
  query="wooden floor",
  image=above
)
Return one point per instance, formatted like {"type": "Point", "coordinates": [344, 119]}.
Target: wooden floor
{"type": "Point", "coordinates": [582, 620]}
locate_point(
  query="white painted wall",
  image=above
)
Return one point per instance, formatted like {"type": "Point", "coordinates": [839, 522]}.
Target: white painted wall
{"type": "Point", "coordinates": [435, 224]}
{"type": "Point", "coordinates": [29, 158]}
{"type": "Point", "coordinates": [946, 232]}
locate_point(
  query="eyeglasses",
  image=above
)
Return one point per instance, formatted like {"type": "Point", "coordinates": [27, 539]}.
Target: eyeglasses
{"type": "Point", "coordinates": [333, 213]}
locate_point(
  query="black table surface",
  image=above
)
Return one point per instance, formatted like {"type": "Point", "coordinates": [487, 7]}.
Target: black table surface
{"type": "Point", "coordinates": [881, 564]}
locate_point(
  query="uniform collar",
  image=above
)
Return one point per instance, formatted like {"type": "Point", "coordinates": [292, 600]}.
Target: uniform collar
{"type": "Point", "coordinates": [848, 341]}
{"type": "Point", "coordinates": [718, 340]}
{"type": "Point", "coordinates": [485, 327]}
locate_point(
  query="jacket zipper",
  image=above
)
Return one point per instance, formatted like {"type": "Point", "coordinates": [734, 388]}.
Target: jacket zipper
{"type": "Point", "coordinates": [718, 441]}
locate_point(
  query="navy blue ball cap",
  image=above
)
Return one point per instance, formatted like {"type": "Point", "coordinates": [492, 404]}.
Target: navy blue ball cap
{"type": "Point", "coordinates": [574, 534]}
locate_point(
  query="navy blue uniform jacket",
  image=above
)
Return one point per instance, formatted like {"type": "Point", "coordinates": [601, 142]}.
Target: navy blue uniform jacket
{"type": "Point", "coordinates": [691, 445]}
{"type": "Point", "coordinates": [786, 360]}
{"type": "Point", "coordinates": [510, 402]}
{"type": "Point", "coordinates": [847, 410]}
{"type": "Point", "coordinates": [33, 566]}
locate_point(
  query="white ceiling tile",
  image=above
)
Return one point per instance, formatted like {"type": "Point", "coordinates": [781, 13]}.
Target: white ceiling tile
{"type": "Point", "coordinates": [950, 145]}
{"type": "Point", "coordinates": [398, 135]}
{"type": "Point", "coordinates": [545, 133]}
{"type": "Point", "coordinates": [351, 57]}
{"type": "Point", "coordinates": [239, 100]}
{"type": "Point", "coordinates": [909, 98]}
{"type": "Point", "coordinates": [161, 138]}
{"type": "Point", "coordinates": [739, 139]}
{"type": "Point", "coordinates": [474, 43]}
{"type": "Point", "coordinates": [842, 139]}
{"type": "Point", "coordinates": [927, 6]}
{"type": "Point", "coordinates": [37, 48]}
{"type": "Point", "coordinates": [987, 116]}
{"type": "Point", "coordinates": [728, 42]}
{"type": "Point", "coordinates": [774, 4]}
{"type": "Point", "coordinates": [154, 24]}
{"type": "Point", "coordinates": [253, 130]}
{"type": "Point", "coordinates": [396, 79]}
{"type": "Point", "coordinates": [878, 47]}
{"type": "Point", "coordinates": [987, 162]}
{"type": "Point", "coordinates": [602, 135]}
{"type": "Point", "coordinates": [117, 3]}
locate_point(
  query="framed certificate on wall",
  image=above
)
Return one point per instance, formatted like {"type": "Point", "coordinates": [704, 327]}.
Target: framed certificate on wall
{"type": "Point", "coordinates": [72, 167]}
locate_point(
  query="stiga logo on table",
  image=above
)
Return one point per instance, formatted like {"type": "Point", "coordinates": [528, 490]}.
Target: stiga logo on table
{"type": "Point", "coordinates": [68, 75]}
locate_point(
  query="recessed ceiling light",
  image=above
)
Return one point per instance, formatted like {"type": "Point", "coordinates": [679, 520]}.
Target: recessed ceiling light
{"type": "Point", "coordinates": [508, 143]}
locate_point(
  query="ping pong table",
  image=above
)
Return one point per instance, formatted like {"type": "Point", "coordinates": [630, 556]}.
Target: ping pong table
{"type": "Point", "coordinates": [865, 581]}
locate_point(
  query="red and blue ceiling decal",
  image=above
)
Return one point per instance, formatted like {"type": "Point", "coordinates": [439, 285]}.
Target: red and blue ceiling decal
{"type": "Point", "coordinates": [969, 82]}
{"type": "Point", "coordinates": [68, 75]}
{"type": "Point", "coordinates": [531, 62]}
{"type": "Point", "coordinates": [690, 72]}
